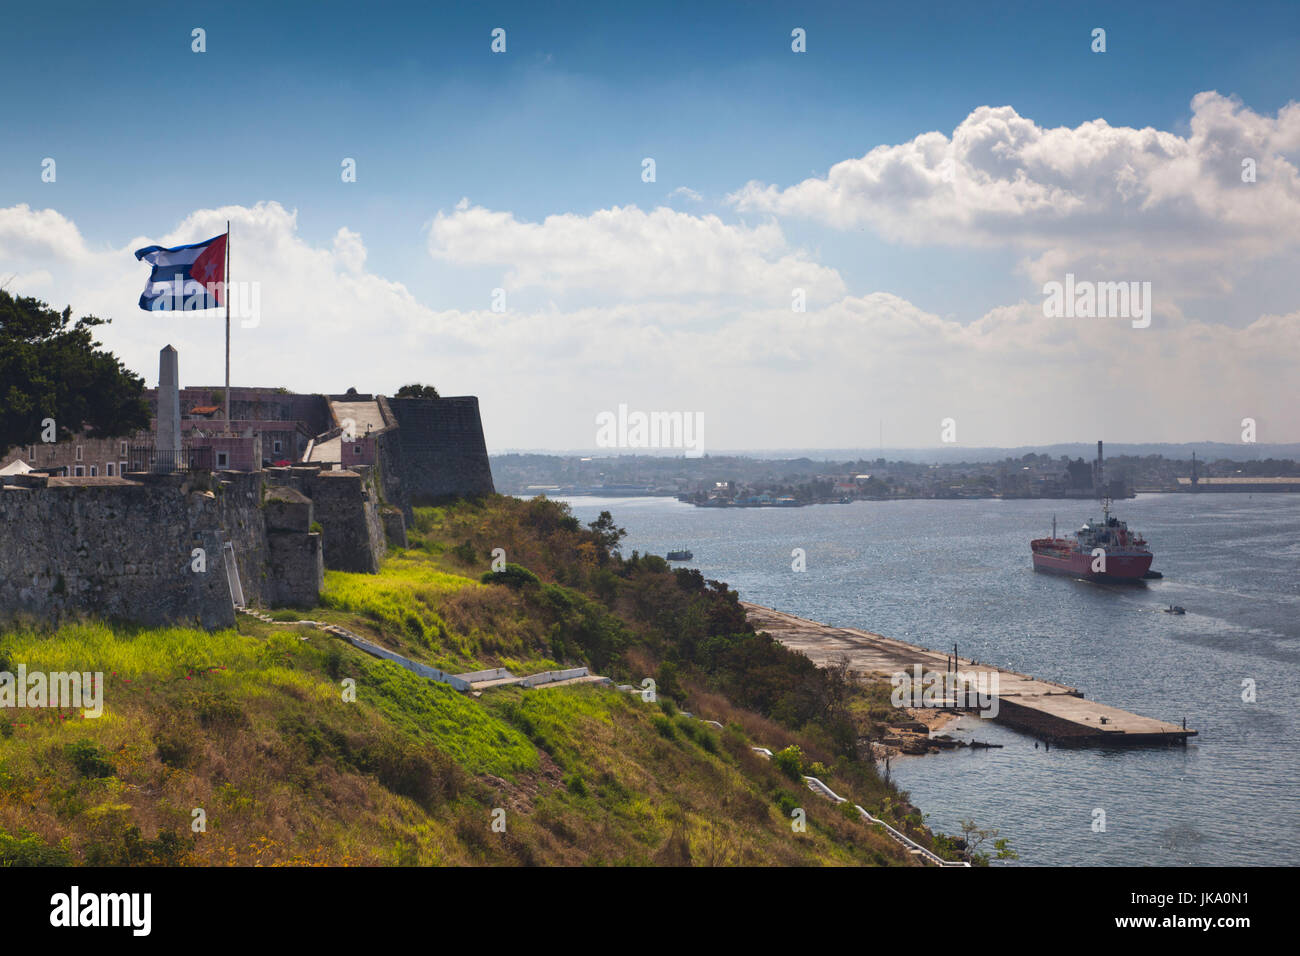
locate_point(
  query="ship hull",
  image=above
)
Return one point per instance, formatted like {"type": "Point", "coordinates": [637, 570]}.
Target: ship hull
{"type": "Point", "coordinates": [1077, 564]}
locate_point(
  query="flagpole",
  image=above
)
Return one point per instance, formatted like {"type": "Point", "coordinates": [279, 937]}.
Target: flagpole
{"type": "Point", "coordinates": [227, 296]}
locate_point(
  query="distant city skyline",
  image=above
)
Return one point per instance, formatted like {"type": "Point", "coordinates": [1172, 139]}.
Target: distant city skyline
{"type": "Point", "coordinates": [954, 453]}
{"type": "Point", "coordinates": [914, 180]}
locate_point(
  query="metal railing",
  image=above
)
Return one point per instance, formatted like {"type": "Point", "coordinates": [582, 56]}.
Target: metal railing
{"type": "Point", "coordinates": [165, 461]}
{"type": "Point", "coordinates": [897, 836]}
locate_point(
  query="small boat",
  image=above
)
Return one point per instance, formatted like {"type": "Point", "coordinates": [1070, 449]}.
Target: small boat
{"type": "Point", "coordinates": [1175, 609]}
{"type": "Point", "coordinates": [1153, 575]}
{"type": "Point", "coordinates": [682, 554]}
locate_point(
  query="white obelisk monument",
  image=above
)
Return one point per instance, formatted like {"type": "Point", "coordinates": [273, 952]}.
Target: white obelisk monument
{"type": "Point", "coordinates": [167, 442]}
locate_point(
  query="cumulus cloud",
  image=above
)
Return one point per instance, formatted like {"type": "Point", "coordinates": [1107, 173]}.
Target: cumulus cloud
{"type": "Point", "coordinates": [632, 253]}
{"type": "Point", "coordinates": [1094, 195]}
{"type": "Point", "coordinates": [27, 233]}
{"type": "Point", "coordinates": [319, 307]}
{"type": "Point", "coordinates": [763, 375]}
{"type": "Point", "coordinates": [1012, 376]}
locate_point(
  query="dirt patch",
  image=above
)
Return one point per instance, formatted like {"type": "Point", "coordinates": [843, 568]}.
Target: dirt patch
{"type": "Point", "coordinates": [520, 796]}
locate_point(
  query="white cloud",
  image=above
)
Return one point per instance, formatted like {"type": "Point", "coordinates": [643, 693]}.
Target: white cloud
{"type": "Point", "coordinates": [763, 375]}
{"type": "Point", "coordinates": [1141, 201]}
{"type": "Point", "coordinates": [632, 254]}
{"type": "Point", "coordinates": [26, 233]}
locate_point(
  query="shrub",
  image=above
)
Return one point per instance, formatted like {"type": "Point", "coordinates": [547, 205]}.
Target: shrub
{"type": "Point", "coordinates": [27, 849]}
{"type": "Point", "coordinates": [415, 628]}
{"type": "Point", "coordinates": [667, 680]}
{"type": "Point", "coordinates": [89, 760]}
{"type": "Point", "coordinates": [334, 662]}
{"type": "Point", "coordinates": [790, 762]}
{"type": "Point", "coordinates": [577, 786]}
{"type": "Point", "coordinates": [558, 599]}
{"type": "Point", "coordinates": [174, 749]}
{"type": "Point", "coordinates": [666, 728]}
{"type": "Point", "coordinates": [699, 733]}
{"type": "Point", "coordinates": [512, 575]}
{"type": "Point", "coordinates": [220, 712]}
{"type": "Point", "coordinates": [410, 772]}
{"type": "Point", "coordinates": [118, 842]}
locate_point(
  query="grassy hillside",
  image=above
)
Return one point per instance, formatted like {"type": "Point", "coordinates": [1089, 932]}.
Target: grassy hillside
{"type": "Point", "coordinates": [252, 726]}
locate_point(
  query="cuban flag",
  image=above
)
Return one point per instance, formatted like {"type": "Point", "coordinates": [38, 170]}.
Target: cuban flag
{"type": "Point", "coordinates": [185, 277]}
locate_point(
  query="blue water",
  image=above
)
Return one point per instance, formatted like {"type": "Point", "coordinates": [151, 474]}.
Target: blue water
{"type": "Point", "coordinates": [942, 572]}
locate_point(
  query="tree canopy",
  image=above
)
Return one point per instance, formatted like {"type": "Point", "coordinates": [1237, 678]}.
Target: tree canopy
{"type": "Point", "coordinates": [52, 367]}
{"type": "Point", "coordinates": [417, 391]}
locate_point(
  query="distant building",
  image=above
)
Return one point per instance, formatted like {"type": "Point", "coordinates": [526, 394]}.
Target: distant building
{"type": "Point", "coordinates": [1244, 484]}
{"type": "Point", "coordinates": [425, 448]}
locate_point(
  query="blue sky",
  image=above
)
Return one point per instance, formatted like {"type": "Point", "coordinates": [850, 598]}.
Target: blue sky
{"type": "Point", "coordinates": [146, 132]}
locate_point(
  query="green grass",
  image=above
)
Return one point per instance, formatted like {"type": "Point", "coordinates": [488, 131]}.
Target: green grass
{"type": "Point", "coordinates": [131, 653]}
{"type": "Point", "coordinates": [479, 741]}
{"type": "Point", "coordinates": [402, 600]}
{"type": "Point", "coordinates": [253, 725]}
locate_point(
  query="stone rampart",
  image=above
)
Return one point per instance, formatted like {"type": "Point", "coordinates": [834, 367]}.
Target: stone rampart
{"type": "Point", "coordinates": [442, 448]}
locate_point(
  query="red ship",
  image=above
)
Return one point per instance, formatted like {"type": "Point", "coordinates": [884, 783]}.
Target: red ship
{"type": "Point", "coordinates": [1103, 550]}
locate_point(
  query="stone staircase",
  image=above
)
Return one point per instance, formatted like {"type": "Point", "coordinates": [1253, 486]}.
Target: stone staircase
{"type": "Point", "coordinates": [472, 682]}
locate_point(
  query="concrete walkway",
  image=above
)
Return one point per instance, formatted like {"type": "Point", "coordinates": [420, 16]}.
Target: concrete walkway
{"type": "Point", "coordinates": [473, 682]}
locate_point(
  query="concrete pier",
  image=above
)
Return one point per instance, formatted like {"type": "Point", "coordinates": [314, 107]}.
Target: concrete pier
{"type": "Point", "coordinates": [1041, 708]}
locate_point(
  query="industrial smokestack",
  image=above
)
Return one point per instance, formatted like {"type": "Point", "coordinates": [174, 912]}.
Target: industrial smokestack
{"type": "Point", "coordinates": [1097, 476]}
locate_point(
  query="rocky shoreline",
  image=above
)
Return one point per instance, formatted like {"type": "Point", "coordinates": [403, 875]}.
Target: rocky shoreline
{"type": "Point", "coordinates": [914, 735]}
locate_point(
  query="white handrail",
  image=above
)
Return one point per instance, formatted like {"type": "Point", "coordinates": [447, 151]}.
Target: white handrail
{"type": "Point", "coordinates": [929, 856]}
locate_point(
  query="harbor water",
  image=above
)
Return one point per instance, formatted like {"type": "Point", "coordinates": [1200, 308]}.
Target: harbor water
{"type": "Point", "coordinates": [939, 573]}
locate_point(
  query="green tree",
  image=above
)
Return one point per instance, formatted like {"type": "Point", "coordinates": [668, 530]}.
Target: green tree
{"type": "Point", "coordinates": [976, 837]}
{"type": "Point", "coordinates": [607, 536]}
{"type": "Point", "coordinates": [417, 391]}
{"type": "Point", "coordinates": [52, 367]}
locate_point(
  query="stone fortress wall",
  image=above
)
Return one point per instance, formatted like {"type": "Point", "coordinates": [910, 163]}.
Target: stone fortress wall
{"type": "Point", "coordinates": [442, 449]}
{"type": "Point", "coordinates": [123, 547]}
{"type": "Point", "coordinates": [125, 551]}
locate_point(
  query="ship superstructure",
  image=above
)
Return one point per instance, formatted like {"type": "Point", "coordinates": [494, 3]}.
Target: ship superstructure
{"type": "Point", "coordinates": [1105, 549]}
